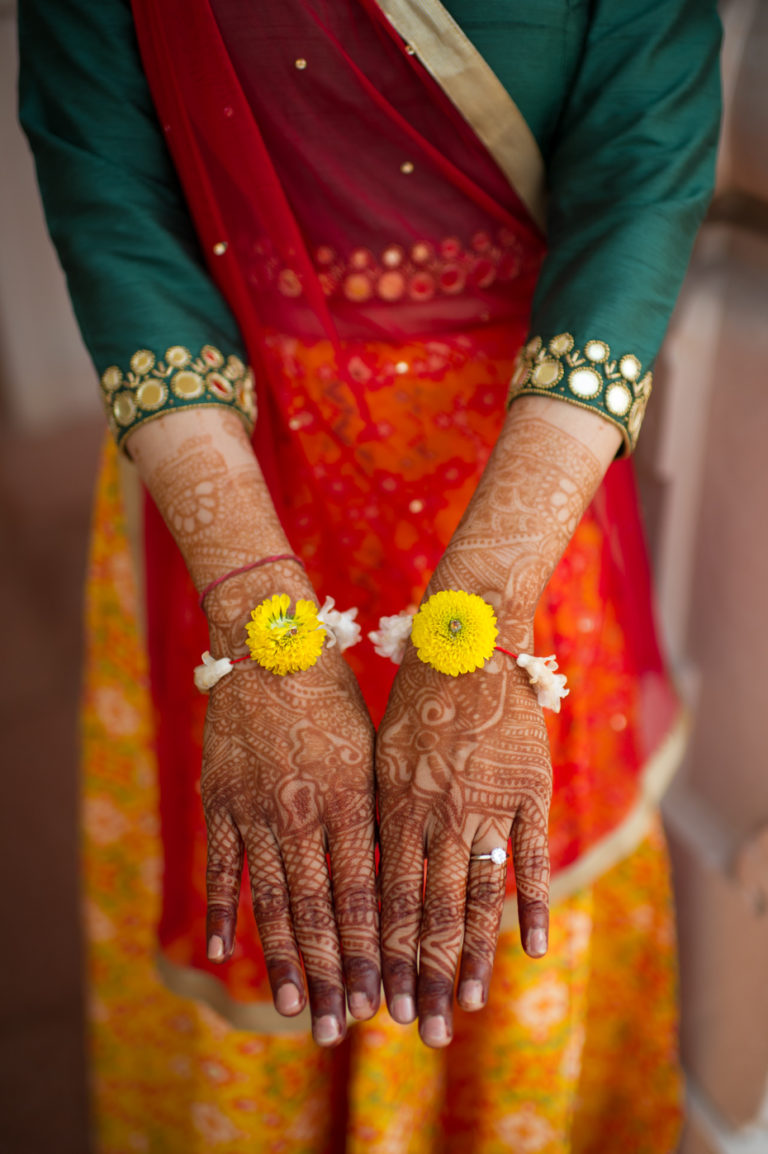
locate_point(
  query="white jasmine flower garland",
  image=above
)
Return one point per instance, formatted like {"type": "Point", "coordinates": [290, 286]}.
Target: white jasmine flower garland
{"type": "Point", "coordinates": [341, 626]}
{"type": "Point", "coordinates": [549, 686]}
{"type": "Point", "coordinates": [390, 639]}
{"type": "Point", "coordinates": [211, 671]}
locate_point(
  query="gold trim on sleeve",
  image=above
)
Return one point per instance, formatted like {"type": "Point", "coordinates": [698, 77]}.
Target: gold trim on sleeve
{"type": "Point", "coordinates": [431, 33]}
{"type": "Point", "coordinates": [155, 385]}
{"type": "Point", "coordinates": [616, 388]}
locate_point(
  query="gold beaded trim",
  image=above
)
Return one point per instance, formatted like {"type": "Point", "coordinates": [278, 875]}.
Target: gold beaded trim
{"type": "Point", "coordinates": [177, 380]}
{"type": "Point", "coordinates": [615, 387]}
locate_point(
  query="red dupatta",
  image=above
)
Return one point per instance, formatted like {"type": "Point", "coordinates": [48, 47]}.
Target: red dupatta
{"type": "Point", "coordinates": [349, 217]}
{"type": "Point", "coordinates": [327, 208]}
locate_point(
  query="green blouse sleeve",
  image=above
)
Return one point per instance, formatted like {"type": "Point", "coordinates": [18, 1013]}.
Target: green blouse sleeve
{"type": "Point", "coordinates": [158, 330]}
{"type": "Point", "coordinates": [631, 171]}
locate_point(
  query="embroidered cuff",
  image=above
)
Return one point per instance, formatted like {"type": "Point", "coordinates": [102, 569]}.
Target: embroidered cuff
{"type": "Point", "coordinates": [616, 388]}
{"type": "Point", "coordinates": [154, 386]}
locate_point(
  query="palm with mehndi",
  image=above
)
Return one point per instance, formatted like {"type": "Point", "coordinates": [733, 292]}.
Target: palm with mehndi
{"type": "Point", "coordinates": [462, 762]}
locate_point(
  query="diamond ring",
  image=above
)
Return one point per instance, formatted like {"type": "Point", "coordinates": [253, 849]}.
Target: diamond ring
{"type": "Point", "coordinates": [498, 856]}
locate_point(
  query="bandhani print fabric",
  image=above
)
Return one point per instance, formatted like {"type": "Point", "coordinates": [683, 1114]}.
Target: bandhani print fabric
{"type": "Point", "coordinates": [568, 1058]}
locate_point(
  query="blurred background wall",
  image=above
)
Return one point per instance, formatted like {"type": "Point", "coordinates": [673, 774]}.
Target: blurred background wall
{"type": "Point", "coordinates": [705, 489]}
{"type": "Point", "coordinates": [50, 430]}
{"type": "Point", "coordinates": [702, 461]}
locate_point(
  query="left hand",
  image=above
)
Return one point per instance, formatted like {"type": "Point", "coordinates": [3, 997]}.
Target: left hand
{"type": "Point", "coordinates": [462, 764]}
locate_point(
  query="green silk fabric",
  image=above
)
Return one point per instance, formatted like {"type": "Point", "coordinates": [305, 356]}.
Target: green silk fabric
{"type": "Point", "coordinates": [114, 206]}
{"type": "Point", "coordinates": [623, 99]}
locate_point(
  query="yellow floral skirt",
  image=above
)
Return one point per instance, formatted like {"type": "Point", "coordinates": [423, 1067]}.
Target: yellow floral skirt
{"type": "Point", "coordinates": [574, 1053]}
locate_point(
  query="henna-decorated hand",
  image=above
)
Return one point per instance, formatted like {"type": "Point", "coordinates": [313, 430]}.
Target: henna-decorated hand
{"type": "Point", "coordinates": [287, 761]}
{"type": "Point", "coordinates": [462, 763]}
{"type": "Point", "coordinates": [288, 778]}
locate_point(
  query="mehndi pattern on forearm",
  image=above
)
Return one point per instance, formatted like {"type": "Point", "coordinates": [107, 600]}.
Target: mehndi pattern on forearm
{"type": "Point", "coordinates": [533, 493]}
{"type": "Point", "coordinates": [216, 506]}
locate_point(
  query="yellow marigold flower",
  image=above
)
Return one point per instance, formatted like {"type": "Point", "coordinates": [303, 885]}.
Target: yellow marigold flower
{"type": "Point", "coordinates": [285, 641]}
{"type": "Point", "coordinates": [454, 632]}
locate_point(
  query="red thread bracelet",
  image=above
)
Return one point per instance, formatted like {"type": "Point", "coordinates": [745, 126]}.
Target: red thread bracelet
{"type": "Point", "coordinates": [246, 569]}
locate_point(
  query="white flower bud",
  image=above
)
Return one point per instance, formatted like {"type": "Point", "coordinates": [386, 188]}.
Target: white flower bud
{"type": "Point", "coordinates": [341, 627]}
{"type": "Point", "coordinates": [211, 671]}
{"type": "Point", "coordinates": [549, 686]}
{"type": "Point", "coordinates": [390, 639]}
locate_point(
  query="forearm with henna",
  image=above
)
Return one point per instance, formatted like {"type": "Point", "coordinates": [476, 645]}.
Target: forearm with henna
{"type": "Point", "coordinates": [205, 480]}
{"type": "Point", "coordinates": [287, 761]}
{"type": "Point", "coordinates": [537, 484]}
{"type": "Point", "coordinates": [463, 763]}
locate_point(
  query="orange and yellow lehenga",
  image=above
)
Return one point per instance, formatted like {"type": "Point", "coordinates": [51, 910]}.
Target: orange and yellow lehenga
{"type": "Point", "coordinates": [572, 1052]}
{"type": "Point", "coordinates": [373, 432]}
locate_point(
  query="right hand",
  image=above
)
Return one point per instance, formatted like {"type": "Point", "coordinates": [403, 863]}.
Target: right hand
{"type": "Point", "coordinates": [288, 778]}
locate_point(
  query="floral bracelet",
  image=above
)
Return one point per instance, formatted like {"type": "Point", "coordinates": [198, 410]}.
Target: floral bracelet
{"type": "Point", "coordinates": [284, 641]}
{"type": "Point", "coordinates": [453, 631]}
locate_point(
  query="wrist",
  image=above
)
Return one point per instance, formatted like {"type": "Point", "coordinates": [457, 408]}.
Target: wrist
{"type": "Point", "coordinates": [513, 606]}
{"type": "Point", "coordinates": [515, 631]}
{"type": "Point", "coordinates": [228, 606]}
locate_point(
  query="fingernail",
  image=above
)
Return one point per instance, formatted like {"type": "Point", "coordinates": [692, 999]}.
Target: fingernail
{"type": "Point", "coordinates": [537, 943]}
{"type": "Point", "coordinates": [326, 1030]}
{"type": "Point", "coordinates": [215, 948]}
{"type": "Point", "coordinates": [433, 1031]}
{"type": "Point", "coordinates": [471, 995]}
{"type": "Point", "coordinates": [288, 1000]}
{"type": "Point", "coordinates": [360, 1005]}
{"type": "Point", "coordinates": [403, 1009]}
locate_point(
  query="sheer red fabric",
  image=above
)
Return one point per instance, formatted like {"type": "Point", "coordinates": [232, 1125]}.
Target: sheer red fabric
{"type": "Point", "coordinates": [351, 197]}
{"type": "Point", "coordinates": [398, 221]}
{"type": "Point", "coordinates": [381, 269]}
